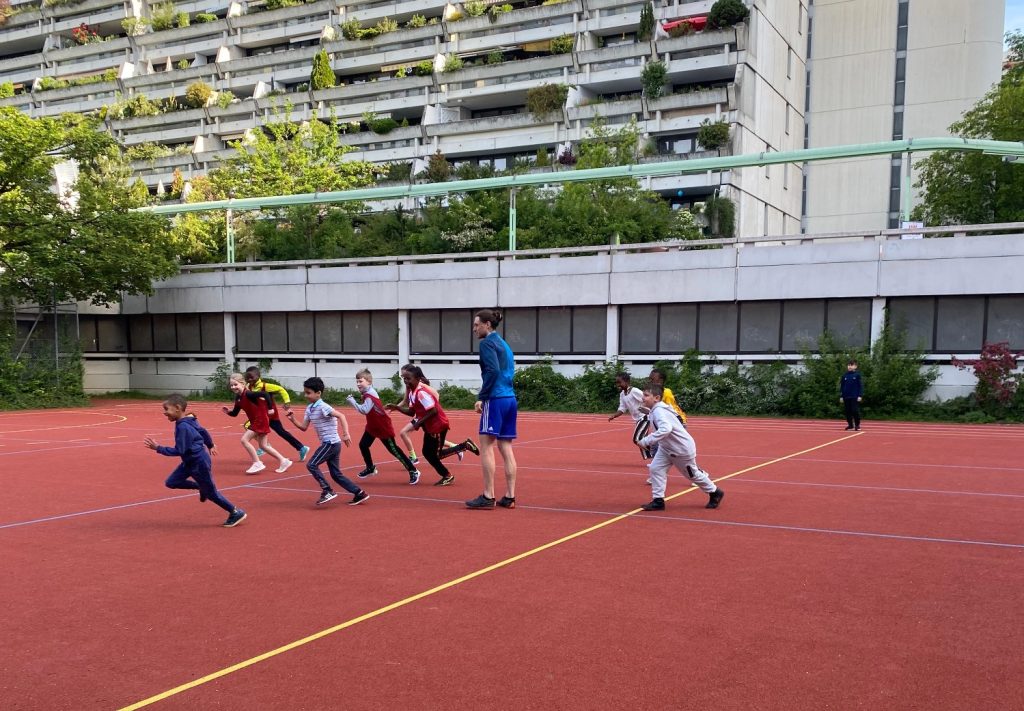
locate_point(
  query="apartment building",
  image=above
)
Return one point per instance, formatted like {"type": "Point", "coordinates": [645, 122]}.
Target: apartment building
{"type": "Point", "coordinates": [882, 70]}
{"type": "Point", "coordinates": [83, 56]}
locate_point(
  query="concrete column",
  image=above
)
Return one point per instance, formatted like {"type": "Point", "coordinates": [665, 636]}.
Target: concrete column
{"type": "Point", "coordinates": [877, 318]}
{"type": "Point", "coordinates": [229, 338]}
{"type": "Point", "coordinates": [611, 342]}
{"type": "Point", "coordinates": [404, 341]}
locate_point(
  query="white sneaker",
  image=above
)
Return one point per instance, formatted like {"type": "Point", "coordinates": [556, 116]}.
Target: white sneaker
{"type": "Point", "coordinates": [284, 466]}
{"type": "Point", "coordinates": [256, 468]}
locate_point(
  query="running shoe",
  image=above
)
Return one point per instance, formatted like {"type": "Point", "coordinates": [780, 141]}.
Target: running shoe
{"type": "Point", "coordinates": [656, 504]}
{"type": "Point", "coordinates": [326, 496]}
{"type": "Point", "coordinates": [507, 502]}
{"type": "Point", "coordinates": [715, 498]}
{"type": "Point", "coordinates": [303, 452]}
{"type": "Point", "coordinates": [480, 502]}
{"type": "Point", "coordinates": [471, 446]}
{"type": "Point", "coordinates": [235, 518]}
{"type": "Point", "coordinates": [284, 466]}
{"type": "Point", "coordinates": [414, 477]}
{"type": "Point", "coordinates": [256, 468]}
{"type": "Point", "coordinates": [445, 480]}
{"type": "Point", "coordinates": [369, 471]}
{"type": "Point", "coordinates": [359, 498]}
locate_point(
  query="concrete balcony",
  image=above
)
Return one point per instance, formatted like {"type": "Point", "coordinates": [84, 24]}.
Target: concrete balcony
{"type": "Point", "coordinates": [79, 99]}
{"type": "Point", "coordinates": [22, 70]}
{"type": "Point", "coordinates": [257, 29]}
{"type": "Point", "coordinates": [681, 47]}
{"type": "Point", "coordinates": [534, 24]}
{"type": "Point", "coordinates": [398, 11]}
{"type": "Point", "coordinates": [171, 83]}
{"type": "Point", "coordinates": [404, 97]}
{"type": "Point", "coordinates": [89, 58]}
{"type": "Point", "coordinates": [492, 85]}
{"type": "Point", "coordinates": [606, 108]}
{"type": "Point", "coordinates": [146, 123]}
{"type": "Point", "coordinates": [405, 47]}
{"type": "Point", "coordinates": [514, 133]}
{"type": "Point", "coordinates": [202, 38]}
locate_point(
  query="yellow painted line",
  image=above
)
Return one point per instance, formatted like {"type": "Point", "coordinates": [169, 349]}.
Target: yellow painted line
{"type": "Point", "coordinates": [444, 586]}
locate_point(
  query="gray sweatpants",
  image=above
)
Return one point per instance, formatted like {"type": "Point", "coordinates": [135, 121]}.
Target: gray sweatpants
{"type": "Point", "coordinates": [687, 466]}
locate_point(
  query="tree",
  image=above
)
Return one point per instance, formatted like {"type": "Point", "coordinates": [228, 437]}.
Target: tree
{"type": "Point", "coordinates": [56, 248]}
{"type": "Point", "coordinates": [322, 76]}
{"type": "Point", "coordinates": [725, 13]}
{"type": "Point", "coordinates": [653, 79]}
{"type": "Point", "coordinates": [973, 188]}
{"type": "Point", "coordinates": [645, 30]}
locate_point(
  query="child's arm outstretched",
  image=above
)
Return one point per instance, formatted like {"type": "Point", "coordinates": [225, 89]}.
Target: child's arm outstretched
{"type": "Point", "coordinates": [236, 410]}
{"type": "Point", "coordinates": [304, 425]}
{"type": "Point", "coordinates": [364, 407]}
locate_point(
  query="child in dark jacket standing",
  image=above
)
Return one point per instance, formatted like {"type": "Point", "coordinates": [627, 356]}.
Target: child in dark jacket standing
{"type": "Point", "coordinates": [851, 392]}
{"type": "Point", "coordinates": [194, 445]}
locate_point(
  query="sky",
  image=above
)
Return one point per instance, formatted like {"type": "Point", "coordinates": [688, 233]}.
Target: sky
{"type": "Point", "coordinates": [1014, 15]}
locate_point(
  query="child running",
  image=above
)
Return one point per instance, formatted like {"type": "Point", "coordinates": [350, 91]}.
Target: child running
{"type": "Point", "coordinates": [323, 416]}
{"type": "Point", "coordinates": [254, 380]}
{"type": "Point", "coordinates": [657, 377]}
{"type": "Point", "coordinates": [194, 445]}
{"type": "Point", "coordinates": [403, 434]}
{"type": "Point", "coordinates": [425, 408]}
{"type": "Point", "coordinates": [257, 408]}
{"type": "Point", "coordinates": [676, 448]}
{"type": "Point", "coordinates": [378, 426]}
{"type": "Point", "coordinates": [631, 401]}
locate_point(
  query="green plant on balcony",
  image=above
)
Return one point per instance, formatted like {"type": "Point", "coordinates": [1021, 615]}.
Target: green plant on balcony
{"type": "Point", "coordinates": [182, 64]}
{"type": "Point", "coordinates": [351, 30]}
{"type": "Point", "coordinates": [402, 73]}
{"type": "Point", "coordinates": [495, 57]}
{"type": "Point", "coordinates": [382, 126]}
{"type": "Point", "coordinates": [726, 13]}
{"type": "Point", "coordinates": [543, 159]}
{"type": "Point", "coordinates": [713, 136]}
{"type": "Point", "coordinates": [438, 169]}
{"type": "Point", "coordinates": [279, 4]}
{"type": "Point", "coordinates": [6, 89]}
{"type": "Point", "coordinates": [497, 10]}
{"type": "Point", "coordinates": [161, 17]}
{"type": "Point", "coordinates": [563, 44]}
{"type": "Point", "coordinates": [322, 76]}
{"type": "Point", "coordinates": [652, 78]}
{"type": "Point", "coordinates": [386, 25]}
{"type": "Point", "coordinates": [452, 63]}
{"type": "Point", "coordinates": [147, 151]}
{"type": "Point", "coordinates": [135, 26]}
{"type": "Point", "coordinates": [645, 30]}
{"type": "Point", "coordinates": [225, 99]}
{"type": "Point", "coordinates": [204, 17]}
{"type": "Point", "coordinates": [197, 94]}
{"type": "Point", "coordinates": [681, 30]}
{"type": "Point", "coordinates": [181, 19]}
{"type": "Point", "coordinates": [416, 21]}
{"type": "Point", "coordinates": [545, 100]}
{"type": "Point", "coordinates": [169, 105]}
{"type": "Point", "coordinates": [404, 123]}
{"type": "Point", "coordinates": [84, 34]}
{"type": "Point", "coordinates": [474, 8]}
{"type": "Point", "coordinates": [720, 213]}
{"type": "Point", "coordinates": [398, 172]}
{"type": "Point", "coordinates": [424, 68]}
{"type": "Point", "coordinates": [455, 16]}
{"type": "Point", "coordinates": [133, 107]}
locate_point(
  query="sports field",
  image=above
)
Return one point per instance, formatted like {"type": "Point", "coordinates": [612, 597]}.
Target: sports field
{"type": "Point", "coordinates": [881, 569]}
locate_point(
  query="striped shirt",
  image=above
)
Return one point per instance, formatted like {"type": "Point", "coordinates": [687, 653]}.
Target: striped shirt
{"type": "Point", "coordinates": [319, 415]}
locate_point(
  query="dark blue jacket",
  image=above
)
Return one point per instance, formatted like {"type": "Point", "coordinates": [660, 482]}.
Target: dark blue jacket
{"type": "Point", "coordinates": [497, 368]}
{"type": "Point", "coordinates": [191, 442]}
{"type": "Point", "coordinates": [851, 387]}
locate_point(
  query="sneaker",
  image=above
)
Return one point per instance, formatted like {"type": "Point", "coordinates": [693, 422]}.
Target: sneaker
{"type": "Point", "coordinates": [471, 446]}
{"type": "Point", "coordinates": [445, 480]}
{"type": "Point", "coordinates": [259, 452]}
{"type": "Point", "coordinates": [256, 468]}
{"type": "Point", "coordinates": [715, 498]}
{"type": "Point", "coordinates": [303, 451]}
{"type": "Point", "coordinates": [656, 504]}
{"type": "Point", "coordinates": [326, 496]}
{"type": "Point", "coordinates": [359, 498]}
{"type": "Point", "coordinates": [849, 428]}
{"type": "Point", "coordinates": [284, 466]}
{"type": "Point", "coordinates": [369, 471]}
{"type": "Point", "coordinates": [480, 502]}
{"type": "Point", "coordinates": [414, 477]}
{"type": "Point", "coordinates": [507, 502]}
{"type": "Point", "coordinates": [236, 517]}
{"type": "Point", "coordinates": [857, 428]}
{"type": "Point", "coordinates": [460, 454]}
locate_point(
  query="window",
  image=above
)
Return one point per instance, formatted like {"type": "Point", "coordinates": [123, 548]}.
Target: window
{"type": "Point", "coordinates": [248, 333]}
{"type": "Point", "coordinates": [1004, 322]}
{"type": "Point", "coordinates": [554, 329]}
{"type": "Point", "coordinates": [520, 329]}
{"type": "Point", "coordinates": [759, 326]}
{"type": "Point", "coordinates": [189, 333]}
{"type": "Point", "coordinates": [915, 317]}
{"type": "Point", "coordinates": [589, 326]}
{"type": "Point", "coordinates": [301, 333]}
{"type": "Point", "coordinates": [638, 329]}
{"type": "Point", "coordinates": [355, 329]}
{"type": "Point", "coordinates": [677, 331]}
{"type": "Point", "coordinates": [849, 321]}
{"type": "Point", "coordinates": [959, 324]}
{"type": "Point", "coordinates": [327, 328]}
{"type": "Point", "coordinates": [717, 331]}
{"type": "Point", "coordinates": [165, 334]}
{"type": "Point", "coordinates": [789, 62]}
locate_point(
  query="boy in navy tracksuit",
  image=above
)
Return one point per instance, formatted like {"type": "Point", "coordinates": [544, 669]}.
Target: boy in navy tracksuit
{"type": "Point", "coordinates": [194, 445]}
{"type": "Point", "coordinates": [851, 390]}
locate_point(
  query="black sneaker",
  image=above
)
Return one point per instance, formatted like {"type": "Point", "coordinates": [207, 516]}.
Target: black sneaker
{"type": "Point", "coordinates": [715, 498]}
{"type": "Point", "coordinates": [480, 502]}
{"type": "Point", "coordinates": [849, 428]}
{"type": "Point", "coordinates": [236, 517]}
{"type": "Point", "coordinates": [359, 498]}
{"type": "Point", "coordinates": [326, 496]}
{"type": "Point", "coordinates": [656, 504]}
{"type": "Point", "coordinates": [471, 446]}
{"type": "Point", "coordinates": [414, 477]}
{"type": "Point", "coordinates": [445, 480]}
{"type": "Point", "coordinates": [507, 502]}
{"type": "Point", "coordinates": [369, 471]}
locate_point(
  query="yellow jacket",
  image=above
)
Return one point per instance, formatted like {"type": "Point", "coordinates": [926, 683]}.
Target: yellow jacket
{"type": "Point", "coordinates": [669, 399]}
{"type": "Point", "coordinates": [273, 389]}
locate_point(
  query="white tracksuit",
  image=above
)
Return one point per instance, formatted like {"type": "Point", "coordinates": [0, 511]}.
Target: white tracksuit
{"type": "Point", "coordinates": [675, 448]}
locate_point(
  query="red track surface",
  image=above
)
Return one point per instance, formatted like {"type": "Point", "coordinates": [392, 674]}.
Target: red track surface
{"type": "Point", "coordinates": [881, 571]}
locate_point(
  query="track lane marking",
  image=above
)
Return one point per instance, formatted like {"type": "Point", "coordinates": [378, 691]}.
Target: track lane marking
{"type": "Point", "coordinates": [442, 587]}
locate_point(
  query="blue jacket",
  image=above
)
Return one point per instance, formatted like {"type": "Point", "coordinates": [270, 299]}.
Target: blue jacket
{"type": "Point", "coordinates": [497, 368]}
{"type": "Point", "coordinates": [191, 442]}
{"type": "Point", "coordinates": [850, 386]}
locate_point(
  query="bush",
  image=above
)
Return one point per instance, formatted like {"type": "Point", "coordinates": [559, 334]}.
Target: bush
{"type": "Point", "coordinates": [322, 76]}
{"type": "Point", "coordinates": [452, 63]}
{"type": "Point", "coordinates": [161, 16]}
{"type": "Point", "coordinates": [653, 79]}
{"type": "Point", "coordinates": [6, 89]}
{"type": "Point", "coordinates": [997, 385]}
{"type": "Point", "coordinates": [645, 30]}
{"type": "Point", "coordinates": [386, 25]}
{"type": "Point", "coordinates": [134, 26]}
{"type": "Point", "coordinates": [416, 21]}
{"type": "Point", "coordinates": [721, 216]}
{"type": "Point", "coordinates": [543, 159]}
{"type": "Point", "coordinates": [438, 169]}
{"type": "Point", "coordinates": [495, 57]}
{"type": "Point", "coordinates": [225, 98]}
{"type": "Point", "coordinates": [197, 94]}
{"type": "Point", "coordinates": [424, 68]}
{"type": "Point", "coordinates": [474, 8]}
{"type": "Point", "coordinates": [547, 99]}
{"type": "Point", "coordinates": [181, 19]}
{"type": "Point", "coordinates": [182, 64]}
{"type": "Point", "coordinates": [382, 125]}
{"type": "Point", "coordinates": [563, 44]}
{"type": "Point", "coordinates": [681, 30]}
{"type": "Point", "coordinates": [726, 13]}
{"type": "Point", "coordinates": [204, 17]}
{"type": "Point", "coordinates": [713, 136]}
{"type": "Point", "coordinates": [399, 172]}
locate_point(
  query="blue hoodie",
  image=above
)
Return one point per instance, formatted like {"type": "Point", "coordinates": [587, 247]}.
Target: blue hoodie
{"type": "Point", "coordinates": [850, 386]}
{"type": "Point", "coordinates": [497, 368]}
{"type": "Point", "coordinates": [191, 442]}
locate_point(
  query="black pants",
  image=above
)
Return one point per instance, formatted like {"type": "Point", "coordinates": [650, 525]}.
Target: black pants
{"type": "Point", "coordinates": [390, 445]}
{"type": "Point", "coordinates": [434, 450]}
{"type": "Point", "coordinates": [198, 478]}
{"type": "Point", "coordinates": [852, 408]}
{"type": "Point", "coordinates": [284, 434]}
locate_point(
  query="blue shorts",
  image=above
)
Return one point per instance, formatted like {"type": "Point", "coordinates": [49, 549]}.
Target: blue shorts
{"type": "Point", "coordinates": [498, 418]}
